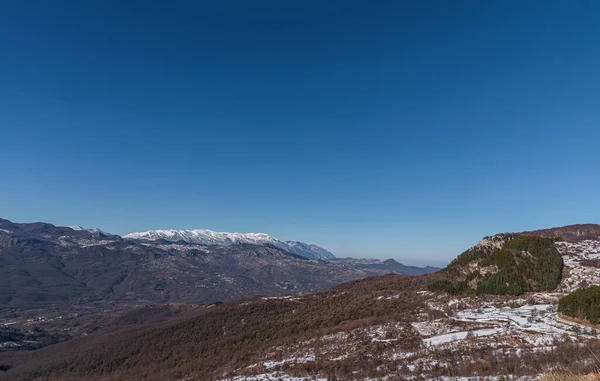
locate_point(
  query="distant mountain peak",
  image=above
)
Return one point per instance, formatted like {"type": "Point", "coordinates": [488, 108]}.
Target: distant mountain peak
{"type": "Point", "coordinates": [89, 230]}
{"type": "Point", "coordinates": [210, 237]}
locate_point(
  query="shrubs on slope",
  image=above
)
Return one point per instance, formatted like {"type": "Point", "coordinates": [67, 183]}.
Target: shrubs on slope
{"type": "Point", "coordinates": [218, 339]}
{"type": "Point", "coordinates": [522, 264]}
{"type": "Point", "coordinates": [582, 304]}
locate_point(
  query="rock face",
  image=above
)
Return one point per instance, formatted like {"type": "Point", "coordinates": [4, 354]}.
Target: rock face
{"type": "Point", "coordinates": [209, 237]}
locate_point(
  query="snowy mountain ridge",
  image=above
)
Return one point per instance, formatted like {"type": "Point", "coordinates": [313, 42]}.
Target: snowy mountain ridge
{"type": "Point", "coordinates": [89, 230]}
{"type": "Point", "coordinates": [209, 237]}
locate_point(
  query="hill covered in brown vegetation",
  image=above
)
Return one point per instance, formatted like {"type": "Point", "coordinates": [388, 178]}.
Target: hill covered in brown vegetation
{"type": "Point", "coordinates": [569, 233]}
{"type": "Point", "coordinates": [225, 337]}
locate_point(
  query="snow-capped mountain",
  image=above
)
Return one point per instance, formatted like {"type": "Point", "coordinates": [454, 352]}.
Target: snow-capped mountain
{"type": "Point", "coordinates": [209, 237]}
{"type": "Point", "coordinates": [90, 230]}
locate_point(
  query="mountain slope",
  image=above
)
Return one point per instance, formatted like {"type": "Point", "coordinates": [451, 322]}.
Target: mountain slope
{"type": "Point", "coordinates": [209, 237]}
{"type": "Point", "coordinates": [43, 264]}
{"type": "Point", "coordinates": [307, 250]}
{"type": "Point", "coordinates": [223, 338]}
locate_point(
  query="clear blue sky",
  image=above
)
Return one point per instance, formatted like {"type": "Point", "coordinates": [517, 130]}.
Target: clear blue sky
{"type": "Point", "coordinates": [375, 129]}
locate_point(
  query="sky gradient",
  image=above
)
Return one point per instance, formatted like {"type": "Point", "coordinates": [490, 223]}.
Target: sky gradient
{"type": "Point", "coordinates": [403, 129]}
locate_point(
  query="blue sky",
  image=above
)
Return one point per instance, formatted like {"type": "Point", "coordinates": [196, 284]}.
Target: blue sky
{"type": "Point", "coordinates": [375, 129]}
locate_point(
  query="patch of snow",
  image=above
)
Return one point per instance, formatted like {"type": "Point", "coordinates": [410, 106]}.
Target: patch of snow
{"type": "Point", "coordinates": [270, 377]}
{"type": "Point", "coordinates": [291, 360]}
{"type": "Point", "coordinates": [488, 378]}
{"type": "Point", "coordinates": [456, 336]}
{"type": "Point", "coordinates": [8, 344]}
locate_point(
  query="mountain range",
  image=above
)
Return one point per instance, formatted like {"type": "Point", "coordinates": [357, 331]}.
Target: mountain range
{"type": "Point", "coordinates": [209, 237]}
{"type": "Point", "coordinates": [42, 264]}
{"type": "Point", "coordinates": [389, 266]}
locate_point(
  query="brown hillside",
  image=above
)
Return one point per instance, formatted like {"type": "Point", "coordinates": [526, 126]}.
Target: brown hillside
{"type": "Point", "coordinates": [569, 233]}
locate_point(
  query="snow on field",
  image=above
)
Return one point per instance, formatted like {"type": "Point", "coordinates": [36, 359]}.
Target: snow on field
{"type": "Point", "coordinates": [291, 298]}
{"type": "Point", "coordinates": [489, 378]}
{"type": "Point", "coordinates": [455, 336]}
{"type": "Point", "coordinates": [535, 325]}
{"type": "Point", "coordinates": [296, 360]}
{"type": "Point", "coordinates": [523, 316]}
{"type": "Point", "coordinates": [388, 297]}
{"type": "Point", "coordinates": [273, 376]}
{"type": "Point", "coordinates": [276, 376]}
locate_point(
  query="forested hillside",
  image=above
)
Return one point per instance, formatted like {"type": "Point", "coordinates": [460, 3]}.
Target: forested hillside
{"type": "Point", "coordinates": [506, 265]}
{"type": "Point", "coordinates": [582, 304]}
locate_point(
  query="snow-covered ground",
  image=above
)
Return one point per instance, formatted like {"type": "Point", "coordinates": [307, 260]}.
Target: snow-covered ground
{"type": "Point", "coordinates": [535, 325]}
{"type": "Point", "coordinates": [579, 275]}
{"type": "Point", "coordinates": [491, 378]}
{"type": "Point", "coordinates": [461, 335]}
{"type": "Point", "coordinates": [276, 376]}
{"type": "Point", "coordinates": [273, 376]}
{"type": "Point", "coordinates": [295, 360]}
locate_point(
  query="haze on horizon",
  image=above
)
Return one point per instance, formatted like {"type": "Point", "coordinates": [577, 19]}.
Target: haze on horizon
{"type": "Point", "coordinates": [407, 130]}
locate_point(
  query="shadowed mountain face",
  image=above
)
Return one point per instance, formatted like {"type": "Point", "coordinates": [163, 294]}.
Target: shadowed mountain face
{"type": "Point", "coordinates": [43, 265]}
